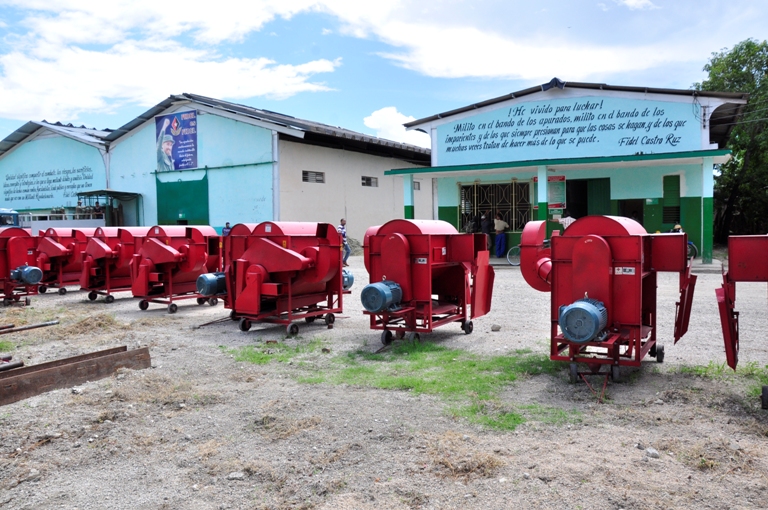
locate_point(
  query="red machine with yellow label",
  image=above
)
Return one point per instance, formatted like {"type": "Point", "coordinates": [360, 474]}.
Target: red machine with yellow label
{"type": "Point", "coordinates": [602, 275]}
{"type": "Point", "coordinates": [170, 259]}
{"type": "Point", "coordinates": [106, 260]}
{"type": "Point", "coordinates": [280, 272]}
{"type": "Point", "coordinates": [424, 274]}
{"type": "Point", "coordinates": [18, 274]}
{"type": "Point", "coordinates": [60, 256]}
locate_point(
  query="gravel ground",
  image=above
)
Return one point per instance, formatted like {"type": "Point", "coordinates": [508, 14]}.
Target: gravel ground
{"type": "Point", "coordinates": [202, 431]}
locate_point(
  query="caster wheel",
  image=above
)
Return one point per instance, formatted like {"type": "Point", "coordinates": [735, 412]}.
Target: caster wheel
{"type": "Point", "coordinates": [232, 315]}
{"type": "Point", "coordinates": [42, 289]}
{"type": "Point", "coordinates": [467, 326]}
{"type": "Point", "coordinates": [764, 398]}
{"type": "Point", "coordinates": [172, 308]}
{"type": "Point", "coordinates": [62, 291]}
{"type": "Point", "coordinates": [400, 334]}
{"type": "Point", "coordinates": [109, 299]}
{"type": "Point", "coordinates": [386, 337]}
{"type": "Point", "coordinates": [244, 324]}
{"type": "Point", "coordinates": [660, 354]}
{"type": "Point", "coordinates": [201, 300]}
{"type": "Point", "coordinates": [310, 320]}
{"type": "Point", "coordinates": [92, 296]}
{"type": "Point", "coordinates": [213, 301]}
{"type": "Point", "coordinates": [615, 373]}
{"type": "Point", "coordinates": [7, 302]}
{"type": "Point", "coordinates": [292, 329]}
{"type": "Point", "coordinates": [27, 301]}
{"type": "Point", "coordinates": [329, 319]}
{"type": "Point", "coordinates": [573, 373]}
{"type": "Point", "coordinates": [143, 304]}
{"type": "Point", "coordinates": [413, 337]}
{"type": "Point", "coordinates": [652, 351]}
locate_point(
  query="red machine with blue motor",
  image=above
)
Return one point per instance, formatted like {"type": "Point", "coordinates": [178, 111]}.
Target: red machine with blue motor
{"type": "Point", "coordinates": [424, 274]}
{"type": "Point", "coordinates": [60, 256]}
{"type": "Point", "coordinates": [280, 272]}
{"type": "Point", "coordinates": [106, 260]}
{"type": "Point", "coordinates": [602, 275]}
{"type": "Point", "coordinates": [170, 259]}
{"type": "Point", "coordinates": [18, 274]}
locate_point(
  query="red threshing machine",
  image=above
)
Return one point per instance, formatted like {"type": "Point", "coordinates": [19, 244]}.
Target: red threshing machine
{"type": "Point", "coordinates": [280, 272]}
{"type": "Point", "coordinates": [169, 261]}
{"type": "Point", "coordinates": [107, 258]}
{"type": "Point", "coordinates": [60, 256]}
{"type": "Point", "coordinates": [424, 274]}
{"type": "Point", "coordinates": [18, 275]}
{"type": "Point", "coordinates": [602, 275]}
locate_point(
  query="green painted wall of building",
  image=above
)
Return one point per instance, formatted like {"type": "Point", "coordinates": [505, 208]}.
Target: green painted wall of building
{"type": "Point", "coordinates": [185, 201]}
{"type": "Point", "coordinates": [652, 216]}
{"type": "Point", "coordinates": [705, 251]}
{"type": "Point", "coordinates": [409, 214]}
{"type": "Point", "coordinates": [599, 196]}
{"type": "Point", "coordinates": [449, 214]}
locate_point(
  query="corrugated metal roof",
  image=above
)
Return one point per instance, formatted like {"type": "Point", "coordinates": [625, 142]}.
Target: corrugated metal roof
{"type": "Point", "coordinates": [90, 136]}
{"type": "Point", "coordinates": [721, 123]}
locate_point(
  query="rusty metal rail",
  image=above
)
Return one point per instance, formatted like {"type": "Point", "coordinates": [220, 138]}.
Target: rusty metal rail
{"type": "Point", "coordinates": [29, 381]}
{"type": "Point", "coordinates": [4, 330]}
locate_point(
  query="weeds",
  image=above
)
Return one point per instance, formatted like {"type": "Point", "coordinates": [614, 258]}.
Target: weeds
{"type": "Point", "coordinates": [281, 352]}
{"type": "Point", "coordinates": [752, 372]}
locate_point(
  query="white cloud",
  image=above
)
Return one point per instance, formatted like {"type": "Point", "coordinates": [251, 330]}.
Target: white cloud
{"type": "Point", "coordinates": [388, 124]}
{"type": "Point", "coordinates": [637, 4]}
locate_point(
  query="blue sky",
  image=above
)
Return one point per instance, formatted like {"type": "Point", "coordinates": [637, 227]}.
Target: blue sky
{"type": "Point", "coordinates": [366, 66]}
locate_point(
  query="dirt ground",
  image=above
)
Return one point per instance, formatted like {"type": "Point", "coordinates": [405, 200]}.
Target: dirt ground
{"type": "Point", "coordinates": [201, 431]}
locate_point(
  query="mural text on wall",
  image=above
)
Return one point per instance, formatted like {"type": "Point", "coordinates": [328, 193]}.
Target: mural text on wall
{"type": "Point", "coordinates": [176, 141]}
{"type": "Point", "coordinates": [60, 184]}
{"type": "Point", "coordinates": [568, 128]}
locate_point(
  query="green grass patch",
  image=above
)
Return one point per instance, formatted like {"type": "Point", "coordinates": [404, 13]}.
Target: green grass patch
{"type": "Point", "coordinates": [6, 346]}
{"type": "Point", "coordinates": [755, 374]}
{"type": "Point", "coordinates": [281, 352]}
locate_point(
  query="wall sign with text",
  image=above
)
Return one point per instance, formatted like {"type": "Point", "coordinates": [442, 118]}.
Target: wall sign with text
{"type": "Point", "coordinates": [570, 128]}
{"type": "Point", "coordinates": [176, 141]}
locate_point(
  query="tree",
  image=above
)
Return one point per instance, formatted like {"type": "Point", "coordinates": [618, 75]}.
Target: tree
{"type": "Point", "coordinates": [741, 190]}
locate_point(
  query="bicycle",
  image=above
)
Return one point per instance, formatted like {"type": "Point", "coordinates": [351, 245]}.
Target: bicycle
{"type": "Point", "coordinates": [693, 252]}
{"type": "Point", "coordinates": [513, 255]}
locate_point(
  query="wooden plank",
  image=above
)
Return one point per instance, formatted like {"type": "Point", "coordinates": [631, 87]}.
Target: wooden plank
{"type": "Point", "coordinates": [70, 373]}
{"type": "Point", "coordinates": [63, 361]}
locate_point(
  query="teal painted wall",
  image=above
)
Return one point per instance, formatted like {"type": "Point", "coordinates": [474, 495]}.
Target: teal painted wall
{"type": "Point", "coordinates": [49, 172]}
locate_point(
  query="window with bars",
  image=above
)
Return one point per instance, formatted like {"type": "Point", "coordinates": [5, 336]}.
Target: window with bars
{"type": "Point", "coordinates": [317, 177]}
{"type": "Point", "coordinates": [372, 182]}
{"type": "Point", "coordinates": [416, 185]}
{"type": "Point", "coordinates": [511, 199]}
{"type": "Point", "coordinates": [671, 209]}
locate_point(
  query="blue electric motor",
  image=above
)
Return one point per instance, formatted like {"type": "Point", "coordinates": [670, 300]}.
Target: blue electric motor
{"type": "Point", "coordinates": [29, 275]}
{"type": "Point", "coordinates": [583, 320]}
{"type": "Point", "coordinates": [212, 284]}
{"type": "Point", "coordinates": [347, 279]}
{"type": "Point", "coordinates": [380, 296]}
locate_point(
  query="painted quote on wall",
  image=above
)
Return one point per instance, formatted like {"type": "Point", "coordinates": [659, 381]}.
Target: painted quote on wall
{"type": "Point", "coordinates": [567, 128]}
{"type": "Point", "coordinates": [46, 187]}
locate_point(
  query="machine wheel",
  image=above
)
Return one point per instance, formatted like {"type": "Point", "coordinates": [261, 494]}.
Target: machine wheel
{"type": "Point", "coordinates": [467, 326]}
{"type": "Point", "coordinates": [62, 291]}
{"type": "Point", "coordinates": [92, 296]}
{"type": "Point", "coordinates": [764, 398]}
{"type": "Point", "coordinates": [172, 308]}
{"type": "Point", "coordinates": [143, 304]}
{"type": "Point", "coordinates": [213, 301]}
{"type": "Point", "coordinates": [109, 299]}
{"type": "Point", "coordinates": [329, 319]}
{"type": "Point", "coordinates": [201, 300]}
{"type": "Point", "coordinates": [42, 289]}
{"type": "Point", "coordinates": [573, 373]}
{"type": "Point", "coordinates": [232, 315]}
{"type": "Point", "coordinates": [244, 324]}
{"type": "Point", "coordinates": [652, 352]}
{"type": "Point", "coordinates": [660, 354]}
{"type": "Point", "coordinates": [615, 373]}
{"type": "Point", "coordinates": [386, 337]}
{"type": "Point", "coordinates": [413, 337]}
{"type": "Point", "coordinates": [310, 320]}
{"type": "Point", "coordinates": [27, 301]}
{"type": "Point", "coordinates": [292, 329]}
{"type": "Point", "coordinates": [7, 302]}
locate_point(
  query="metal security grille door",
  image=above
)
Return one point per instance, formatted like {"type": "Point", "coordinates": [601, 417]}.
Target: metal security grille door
{"type": "Point", "coordinates": [512, 200]}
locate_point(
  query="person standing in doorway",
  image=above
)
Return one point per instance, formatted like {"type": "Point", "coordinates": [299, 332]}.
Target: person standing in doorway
{"type": "Point", "coordinates": [226, 230]}
{"type": "Point", "coordinates": [499, 225]}
{"type": "Point", "coordinates": [342, 229]}
{"type": "Point", "coordinates": [485, 227]}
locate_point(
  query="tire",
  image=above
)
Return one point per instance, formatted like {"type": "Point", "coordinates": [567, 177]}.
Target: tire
{"type": "Point", "coordinates": [413, 337]}
{"type": "Point", "coordinates": [92, 296]}
{"type": "Point", "coordinates": [329, 319]}
{"type": "Point", "coordinates": [693, 252]}
{"type": "Point", "coordinates": [172, 308]}
{"type": "Point", "coordinates": [62, 291]}
{"type": "Point", "coordinates": [386, 337]}
{"type": "Point", "coordinates": [7, 302]}
{"type": "Point", "coordinates": [292, 329]}
{"type": "Point", "coordinates": [213, 301]}
{"type": "Point", "coordinates": [467, 326]}
{"type": "Point", "coordinates": [42, 289]}
{"type": "Point", "coordinates": [244, 324]}
{"type": "Point", "coordinates": [310, 320]}
{"type": "Point", "coordinates": [660, 354]}
{"type": "Point", "coordinates": [143, 304]}
{"type": "Point", "coordinates": [27, 301]}
{"type": "Point", "coordinates": [513, 256]}
{"type": "Point", "coordinates": [615, 373]}
{"type": "Point", "coordinates": [652, 351]}
{"type": "Point", "coordinates": [201, 300]}
{"type": "Point", "coordinates": [109, 299]}
{"type": "Point", "coordinates": [233, 315]}
{"type": "Point", "coordinates": [764, 398]}
{"type": "Point", "coordinates": [573, 373]}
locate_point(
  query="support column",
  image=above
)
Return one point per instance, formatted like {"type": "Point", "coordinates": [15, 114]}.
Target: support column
{"type": "Point", "coordinates": [275, 176]}
{"type": "Point", "coordinates": [408, 197]}
{"type": "Point", "coordinates": [541, 199]}
{"type": "Point", "coordinates": [707, 210]}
